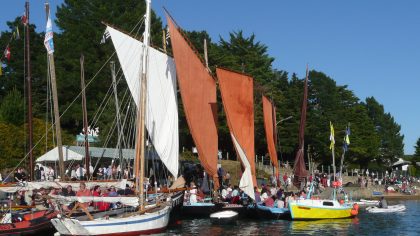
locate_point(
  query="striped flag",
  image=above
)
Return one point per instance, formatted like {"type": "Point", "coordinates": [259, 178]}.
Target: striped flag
{"type": "Point", "coordinates": [332, 136]}
{"type": "Point", "coordinates": [7, 53]}
{"type": "Point", "coordinates": [105, 36]}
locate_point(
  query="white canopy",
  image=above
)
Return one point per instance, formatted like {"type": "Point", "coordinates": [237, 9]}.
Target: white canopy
{"type": "Point", "coordinates": [162, 108]}
{"type": "Point", "coordinates": [52, 155]}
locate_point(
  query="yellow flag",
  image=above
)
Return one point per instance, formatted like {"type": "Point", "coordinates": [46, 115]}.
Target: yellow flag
{"type": "Point", "coordinates": [1, 72]}
{"type": "Point", "coordinates": [332, 136]}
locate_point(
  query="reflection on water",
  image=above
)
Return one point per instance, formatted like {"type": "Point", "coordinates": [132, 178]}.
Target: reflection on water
{"type": "Point", "coordinates": [323, 227]}
{"type": "Point", "coordinates": [405, 223]}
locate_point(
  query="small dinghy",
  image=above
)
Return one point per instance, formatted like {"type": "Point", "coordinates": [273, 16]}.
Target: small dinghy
{"type": "Point", "coordinates": [364, 202]}
{"type": "Point", "coordinates": [394, 208]}
{"type": "Point", "coordinates": [224, 217]}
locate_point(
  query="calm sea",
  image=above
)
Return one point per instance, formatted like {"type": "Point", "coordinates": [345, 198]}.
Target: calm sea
{"type": "Point", "coordinates": [405, 223]}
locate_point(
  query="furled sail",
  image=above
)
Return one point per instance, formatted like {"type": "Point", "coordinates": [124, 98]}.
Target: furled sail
{"type": "Point", "coordinates": [237, 92]}
{"type": "Point", "coordinates": [270, 134]}
{"type": "Point", "coordinates": [299, 168]}
{"type": "Point", "coordinates": [246, 183]}
{"type": "Point", "coordinates": [162, 109]}
{"type": "Point", "coordinates": [198, 92]}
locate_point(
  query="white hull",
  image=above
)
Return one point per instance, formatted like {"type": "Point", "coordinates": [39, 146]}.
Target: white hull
{"type": "Point", "coordinates": [136, 224]}
{"type": "Point", "coordinates": [395, 208]}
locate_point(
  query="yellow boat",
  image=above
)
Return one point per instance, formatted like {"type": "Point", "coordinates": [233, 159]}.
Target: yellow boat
{"type": "Point", "coordinates": [314, 209]}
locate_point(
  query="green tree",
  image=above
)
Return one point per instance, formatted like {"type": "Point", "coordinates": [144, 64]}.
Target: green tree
{"type": "Point", "coordinates": [12, 108]}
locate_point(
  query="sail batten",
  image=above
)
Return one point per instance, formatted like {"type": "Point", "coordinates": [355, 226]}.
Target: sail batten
{"type": "Point", "coordinates": [198, 93]}
{"type": "Point", "coordinates": [162, 109]}
{"type": "Point", "coordinates": [270, 134]}
{"type": "Point", "coordinates": [237, 92]}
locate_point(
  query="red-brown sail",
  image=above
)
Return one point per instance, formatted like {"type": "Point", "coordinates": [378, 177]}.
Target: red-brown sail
{"type": "Point", "coordinates": [299, 167]}
{"type": "Point", "coordinates": [270, 134]}
{"type": "Point", "coordinates": [198, 92]}
{"type": "Point", "coordinates": [237, 92]}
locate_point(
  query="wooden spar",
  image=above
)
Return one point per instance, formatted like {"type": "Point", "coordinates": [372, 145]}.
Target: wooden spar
{"type": "Point", "coordinates": [29, 90]}
{"type": "Point", "coordinates": [164, 40]}
{"type": "Point", "coordinates": [206, 59]}
{"type": "Point", "coordinates": [140, 144]}
{"type": "Point", "coordinates": [117, 109]}
{"type": "Point", "coordinates": [85, 120]}
{"type": "Point", "coordinates": [55, 104]}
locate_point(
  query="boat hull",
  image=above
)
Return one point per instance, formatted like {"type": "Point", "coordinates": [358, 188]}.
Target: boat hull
{"type": "Point", "coordinates": [224, 217]}
{"type": "Point", "coordinates": [147, 223]}
{"type": "Point", "coordinates": [198, 210]}
{"type": "Point", "coordinates": [34, 223]}
{"type": "Point", "coordinates": [315, 210]}
{"type": "Point", "coordinates": [272, 213]}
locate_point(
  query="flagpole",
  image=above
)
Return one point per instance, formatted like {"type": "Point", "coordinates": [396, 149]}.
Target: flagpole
{"type": "Point", "coordinates": [29, 81]}
{"type": "Point", "coordinates": [55, 97]}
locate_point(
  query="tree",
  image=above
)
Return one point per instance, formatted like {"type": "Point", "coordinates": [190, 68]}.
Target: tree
{"type": "Point", "coordinates": [416, 156]}
{"type": "Point", "coordinates": [11, 108]}
{"type": "Point", "coordinates": [391, 140]}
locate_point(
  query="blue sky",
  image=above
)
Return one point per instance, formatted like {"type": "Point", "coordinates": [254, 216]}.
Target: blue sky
{"type": "Point", "coordinates": [371, 46]}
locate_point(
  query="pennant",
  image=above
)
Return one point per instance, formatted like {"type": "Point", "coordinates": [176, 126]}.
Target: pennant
{"type": "Point", "coordinates": [332, 136]}
{"type": "Point", "coordinates": [24, 19]}
{"type": "Point", "coordinates": [17, 32]}
{"type": "Point", "coordinates": [346, 142]}
{"type": "Point", "coordinates": [7, 53]}
{"type": "Point", "coordinates": [105, 36]}
{"type": "Point", "coordinates": [48, 41]}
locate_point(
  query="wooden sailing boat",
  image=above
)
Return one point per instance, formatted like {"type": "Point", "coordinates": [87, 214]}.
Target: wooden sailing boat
{"type": "Point", "coordinates": [269, 113]}
{"type": "Point", "coordinates": [198, 93]}
{"type": "Point", "coordinates": [311, 209]}
{"type": "Point", "coordinates": [148, 219]}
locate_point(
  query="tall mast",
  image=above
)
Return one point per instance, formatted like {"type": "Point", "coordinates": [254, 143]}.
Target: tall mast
{"type": "Point", "coordinates": [140, 145]}
{"type": "Point", "coordinates": [55, 97]}
{"type": "Point", "coordinates": [117, 109]}
{"type": "Point", "coordinates": [29, 81]}
{"type": "Point", "coordinates": [85, 120]}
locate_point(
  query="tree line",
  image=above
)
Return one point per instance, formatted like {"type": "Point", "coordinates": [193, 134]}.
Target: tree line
{"type": "Point", "coordinates": [375, 140]}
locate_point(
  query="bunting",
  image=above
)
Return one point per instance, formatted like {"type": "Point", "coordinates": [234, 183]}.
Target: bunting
{"type": "Point", "coordinates": [7, 53]}
{"type": "Point", "coordinates": [24, 19]}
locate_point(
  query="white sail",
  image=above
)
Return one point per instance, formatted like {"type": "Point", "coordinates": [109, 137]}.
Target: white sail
{"type": "Point", "coordinates": [162, 108]}
{"type": "Point", "coordinates": [246, 182]}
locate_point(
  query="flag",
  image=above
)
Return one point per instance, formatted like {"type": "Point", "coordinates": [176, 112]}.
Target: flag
{"type": "Point", "coordinates": [24, 19]}
{"type": "Point", "coordinates": [346, 142]}
{"type": "Point", "coordinates": [105, 36]}
{"type": "Point", "coordinates": [48, 41]}
{"type": "Point", "coordinates": [1, 69]}
{"type": "Point", "coordinates": [332, 136]}
{"type": "Point", "coordinates": [7, 53]}
{"type": "Point", "coordinates": [167, 36]}
{"type": "Point", "coordinates": [17, 32]}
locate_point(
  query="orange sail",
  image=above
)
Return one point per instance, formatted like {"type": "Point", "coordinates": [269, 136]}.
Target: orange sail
{"type": "Point", "coordinates": [270, 134]}
{"type": "Point", "coordinates": [299, 169]}
{"type": "Point", "coordinates": [198, 92]}
{"type": "Point", "coordinates": [237, 92]}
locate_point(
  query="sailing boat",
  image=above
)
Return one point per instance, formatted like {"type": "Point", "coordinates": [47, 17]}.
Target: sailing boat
{"type": "Point", "coordinates": [198, 93]}
{"type": "Point", "coordinates": [148, 219]}
{"type": "Point", "coordinates": [269, 113]}
{"type": "Point", "coordinates": [312, 209]}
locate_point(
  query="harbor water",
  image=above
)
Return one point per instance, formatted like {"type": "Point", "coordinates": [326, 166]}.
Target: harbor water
{"type": "Point", "coordinates": [403, 223]}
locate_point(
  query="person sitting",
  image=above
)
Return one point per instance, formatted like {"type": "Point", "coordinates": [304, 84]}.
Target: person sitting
{"type": "Point", "coordinates": [383, 204]}
{"type": "Point", "coordinates": [269, 202]}
{"type": "Point", "coordinates": [280, 203]}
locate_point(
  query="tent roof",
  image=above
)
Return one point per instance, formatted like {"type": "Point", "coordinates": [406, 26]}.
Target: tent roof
{"type": "Point", "coordinates": [52, 155]}
{"type": "Point", "coordinates": [78, 153]}
{"type": "Point", "coordinates": [400, 162]}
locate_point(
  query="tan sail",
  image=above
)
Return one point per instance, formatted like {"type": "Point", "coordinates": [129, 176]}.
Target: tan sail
{"type": "Point", "coordinates": [237, 92]}
{"type": "Point", "coordinates": [270, 134]}
{"type": "Point", "coordinates": [198, 93]}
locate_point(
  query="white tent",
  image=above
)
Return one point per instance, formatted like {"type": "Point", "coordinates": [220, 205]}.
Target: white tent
{"type": "Point", "coordinates": [52, 155]}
